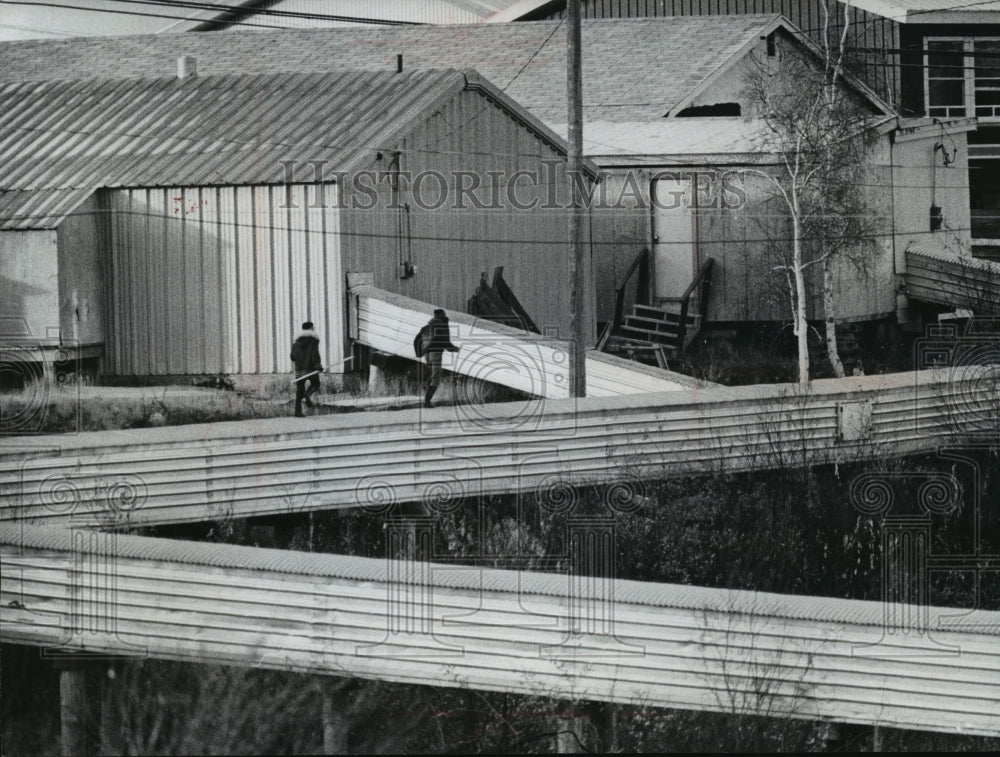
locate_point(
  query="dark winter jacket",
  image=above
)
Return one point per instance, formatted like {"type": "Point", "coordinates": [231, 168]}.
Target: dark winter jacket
{"type": "Point", "coordinates": [305, 353]}
{"type": "Point", "coordinates": [436, 336]}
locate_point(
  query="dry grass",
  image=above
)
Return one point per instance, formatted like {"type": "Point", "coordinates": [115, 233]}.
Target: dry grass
{"type": "Point", "coordinates": [37, 409]}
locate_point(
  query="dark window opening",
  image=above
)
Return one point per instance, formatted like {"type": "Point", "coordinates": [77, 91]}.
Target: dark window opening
{"type": "Point", "coordinates": [984, 183]}
{"type": "Point", "coordinates": [984, 198]}
{"type": "Point", "coordinates": [714, 110]}
{"type": "Point", "coordinates": [772, 49]}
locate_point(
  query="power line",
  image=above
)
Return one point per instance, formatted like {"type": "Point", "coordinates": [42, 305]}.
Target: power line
{"type": "Point", "coordinates": [264, 11]}
{"type": "Point", "coordinates": [149, 14]}
{"type": "Point", "coordinates": [506, 240]}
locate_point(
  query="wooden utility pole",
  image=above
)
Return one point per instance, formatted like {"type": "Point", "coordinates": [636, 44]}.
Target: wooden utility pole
{"type": "Point", "coordinates": [574, 168]}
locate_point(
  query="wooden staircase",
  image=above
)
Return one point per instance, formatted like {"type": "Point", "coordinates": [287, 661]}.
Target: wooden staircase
{"type": "Point", "coordinates": [847, 347]}
{"type": "Point", "coordinates": [651, 335]}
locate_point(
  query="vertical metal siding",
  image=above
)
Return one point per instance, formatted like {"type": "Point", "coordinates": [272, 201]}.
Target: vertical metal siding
{"type": "Point", "coordinates": [218, 279]}
{"type": "Point", "coordinates": [453, 246]}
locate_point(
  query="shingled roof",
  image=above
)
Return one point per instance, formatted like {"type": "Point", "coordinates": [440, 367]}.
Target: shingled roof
{"type": "Point", "coordinates": [61, 140]}
{"type": "Point", "coordinates": [634, 69]}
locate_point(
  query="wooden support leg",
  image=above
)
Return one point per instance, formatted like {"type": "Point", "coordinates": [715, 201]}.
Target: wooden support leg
{"type": "Point", "coordinates": [830, 736]}
{"type": "Point", "coordinates": [877, 738]}
{"type": "Point", "coordinates": [604, 719]}
{"type": "Point", "coordinates": [571, 729]}
{"type": "Point", "coordinates": [335, 720]}
{"type": "Point", "coordinates": [73, 711]}
{"type": "Point", "coordinates": [108, 737]}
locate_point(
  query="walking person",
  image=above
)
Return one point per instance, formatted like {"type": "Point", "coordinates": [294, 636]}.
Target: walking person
{"type": "Point", "coordinates": [308, 366]}
{"type": "Point", "coordinates": [433, 339]}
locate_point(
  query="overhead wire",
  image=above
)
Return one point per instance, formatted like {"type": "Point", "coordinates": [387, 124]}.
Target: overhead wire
{"type": "Point", "coordinates": [464, 239]}
{"type": "Point", "coordinates": [209, 6]}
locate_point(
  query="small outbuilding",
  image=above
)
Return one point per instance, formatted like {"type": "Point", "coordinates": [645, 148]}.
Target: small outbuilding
{"type": "Point", "coordinates": [187, 225]}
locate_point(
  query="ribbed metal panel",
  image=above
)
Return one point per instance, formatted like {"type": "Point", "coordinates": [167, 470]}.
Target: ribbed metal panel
{"type": "Point", "coordinates": [218, 279]}
{"type": "Point", "coordinates": [620, 641]}
{"type": "Point", "coordinates": [194, 473]}
{"type": "Point", "coordinates": [201, 130]}
{"type": "Point", "coordinates": [38, 209]}
{"type": "Point", "coordinates": [953, 280]}
{"type": "Point", "coordinates": [503, 355]}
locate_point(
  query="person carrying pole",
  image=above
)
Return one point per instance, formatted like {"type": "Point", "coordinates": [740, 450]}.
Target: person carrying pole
{"type": "Point", "coordinates": [308, 366]}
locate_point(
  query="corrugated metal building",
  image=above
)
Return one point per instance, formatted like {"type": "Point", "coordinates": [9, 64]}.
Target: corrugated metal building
{"type": "Point", "coordinates": [190, 224]}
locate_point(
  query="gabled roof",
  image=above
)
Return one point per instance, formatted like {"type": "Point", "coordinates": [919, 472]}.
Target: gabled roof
{"type": "Point", "coordinates": [934, 11]}
{"type": "Point", "coordinates": [61, 140]}
{"type": "Point", "coordinates": [634, 69]}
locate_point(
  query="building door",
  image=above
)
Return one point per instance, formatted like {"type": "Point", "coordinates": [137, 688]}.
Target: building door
{"type": "Point", "coordinates": [674, 253]}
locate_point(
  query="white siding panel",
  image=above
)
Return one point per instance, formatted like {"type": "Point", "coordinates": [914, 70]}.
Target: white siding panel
{"type": "Point", "coordinates": [491, 352]}
{"type": "Point", "coordinates": [334, 282]}
{"type": "Point", "coordinates": [229, 293]}
{"type": "Point", "coordinates": [247, 323]}
{"type": "Point", "coordinates": [218, 279]}
{"type": "Point", "coordinates": [667, 646]}
{"type": "Point", "coordinates": [282, 465]}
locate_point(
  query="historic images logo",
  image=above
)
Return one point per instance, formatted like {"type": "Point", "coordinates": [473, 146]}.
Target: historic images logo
{"type": "Point", "coordinates": [523, 190]}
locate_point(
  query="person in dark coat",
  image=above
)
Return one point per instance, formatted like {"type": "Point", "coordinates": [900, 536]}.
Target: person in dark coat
{"type": "Point", "coordinates": [436, 338]}
{"type": "Point", "coordinates": [308, 366]}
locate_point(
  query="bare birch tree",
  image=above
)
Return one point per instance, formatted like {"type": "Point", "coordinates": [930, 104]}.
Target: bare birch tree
{"type": "Point", "coordinates": [821, 132]}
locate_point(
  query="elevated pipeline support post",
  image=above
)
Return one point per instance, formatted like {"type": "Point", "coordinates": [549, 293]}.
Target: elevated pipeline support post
{"type": "Point", "coordinates": [85, 711]}
{"type": "Point", "coordinates": [336, 724]}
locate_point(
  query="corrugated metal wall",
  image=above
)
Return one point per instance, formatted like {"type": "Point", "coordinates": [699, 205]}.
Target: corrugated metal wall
{"type": "Point", "coordinates": [218, 279]}
{"type": "Point", "coordinates": [249, 468]}
{"type": "Point", "coordinates": [433, 623]}
{"type": "Point", "coordinates": [872, 36]}
{"type": "Point", "coordinates": [452, 245]}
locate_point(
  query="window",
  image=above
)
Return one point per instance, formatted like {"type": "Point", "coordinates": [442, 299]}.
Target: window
{"type": "Point", "coordinates": [984, 184]}
{"type": "Point", "coordinates": [716, 110]}
{"type": "Point", "coordinates": [962, 77]}
{"type": "Point", "coordinates": [945, 66]}
{"type": "Point", "coordinates": [987, 77]}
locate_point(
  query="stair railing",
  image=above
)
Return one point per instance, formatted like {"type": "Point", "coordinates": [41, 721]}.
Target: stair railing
{"type": "Point", "coordinates": [700, 282]}
{"type": "Point", "coordinates": [639, 265]}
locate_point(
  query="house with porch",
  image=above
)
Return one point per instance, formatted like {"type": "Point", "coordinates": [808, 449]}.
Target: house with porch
{"type": "Point", "coordinates": [933, 59]}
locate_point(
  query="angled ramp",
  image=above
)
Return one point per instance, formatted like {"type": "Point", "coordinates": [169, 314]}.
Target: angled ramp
{"type": "Point", "coordinates": [956, 281]}
{"type": "Point", "coordinates": [500, 354]}
{"type": "Point", "coordinates": [445, 624]}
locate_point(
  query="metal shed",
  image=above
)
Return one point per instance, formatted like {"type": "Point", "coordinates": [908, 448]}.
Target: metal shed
{"type": "Point", "coordinates": [188, 224]}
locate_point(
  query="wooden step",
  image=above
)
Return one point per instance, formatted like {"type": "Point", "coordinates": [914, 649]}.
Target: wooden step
{"type": "Point", "coordinates": [657, 337]}
{"type": "Point", "coordinates": [651, 311]}
{"type": "Point", "coordinates": [651, 323]}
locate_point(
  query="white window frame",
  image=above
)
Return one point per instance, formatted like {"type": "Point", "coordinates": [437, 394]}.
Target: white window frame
{"type": "Point", "coordinates": [968, 107]}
